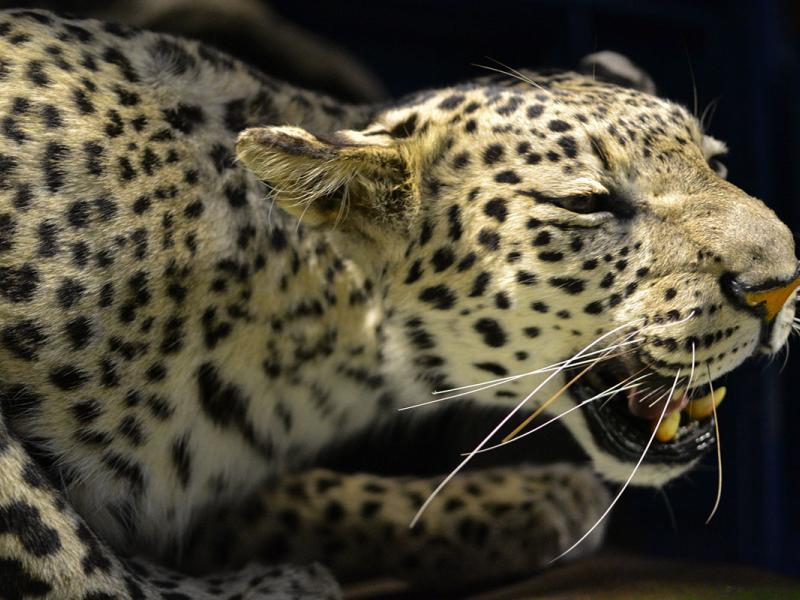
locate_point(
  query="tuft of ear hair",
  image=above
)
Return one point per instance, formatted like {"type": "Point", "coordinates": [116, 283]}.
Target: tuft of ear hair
{"type": "Point", "coordinates": [346, 178]}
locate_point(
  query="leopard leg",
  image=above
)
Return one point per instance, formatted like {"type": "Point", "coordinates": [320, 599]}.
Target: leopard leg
{"type": "Point", "coordinates": [485, 525]}
{"type": "Point", "coordinates": [48, 551]}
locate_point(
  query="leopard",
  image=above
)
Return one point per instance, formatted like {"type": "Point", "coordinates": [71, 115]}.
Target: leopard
{"type": "Point", "coordinates": [208, 276]}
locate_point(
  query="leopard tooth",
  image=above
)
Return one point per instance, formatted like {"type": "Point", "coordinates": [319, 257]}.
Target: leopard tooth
{"type": "Point", "coordinates": [700, 408]}
{"type": "Point", "coordinates": [669, 427]}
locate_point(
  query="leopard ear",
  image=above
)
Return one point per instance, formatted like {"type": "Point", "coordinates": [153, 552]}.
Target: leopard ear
{"type": "Point", "coordinates": [615, 68]}
{"type": "Point", "coordinates": [347, 179]}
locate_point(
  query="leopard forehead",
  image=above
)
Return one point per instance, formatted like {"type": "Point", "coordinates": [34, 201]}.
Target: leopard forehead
{"type": "Point", "coordinates": [567, 125]}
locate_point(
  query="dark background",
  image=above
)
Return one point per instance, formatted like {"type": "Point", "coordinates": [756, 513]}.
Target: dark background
{"type": "Point", "coordinates": [744, 55]}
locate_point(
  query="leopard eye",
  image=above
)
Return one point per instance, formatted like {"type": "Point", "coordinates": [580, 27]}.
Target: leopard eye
{"type": "Point", "coordinates": [596, 203]}
{"type": "Point", "coordinates": [583, 205]}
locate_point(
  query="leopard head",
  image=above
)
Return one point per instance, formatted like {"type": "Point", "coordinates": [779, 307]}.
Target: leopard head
{"type": "Point", "coordinates": [553, 234]}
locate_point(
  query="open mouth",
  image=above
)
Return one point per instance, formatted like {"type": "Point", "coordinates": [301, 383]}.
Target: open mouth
{"type": "Point", "coordinates": [622, 423]}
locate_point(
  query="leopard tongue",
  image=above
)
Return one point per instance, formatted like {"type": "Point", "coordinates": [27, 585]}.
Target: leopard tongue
{"type": "Point", "coordinates": [651, 407]}
{"type": "Point", "coordinates": [651, 410]}
{"type": "Point", "coordinates": [696, 409]}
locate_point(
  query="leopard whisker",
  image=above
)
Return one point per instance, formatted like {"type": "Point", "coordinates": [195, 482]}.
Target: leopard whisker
{"type": "Point", "coordinates": [691, 373]}
{"type": "Point", "coordinates": [609, 392]}
{"type": "Point", "coordinates": [650, 393]}
{"type": "Point", "coordinates": [688, 381]}
{"type": "Point", "coordinates": [628, 481]}
{"type": "Point", "coordinates": [495, 383]}
{"type": "Point", "coordinates": [479, 387]}
{"type": "Point", "coordinates": [553, 398]}
{"type": "Point", "coordinates": [786, 348]}
{"type": "Point", "coordinates": [505, 420]}
{"type": "Point", "coordinates": [719, 451]}
{"type": "Point", "coordinates": [656, 401]}
{"type": "Point", "coordinates": [548, 370]}
{"type": "Point", "coordinates": [534, 372]}
{"type": "Point", "coordinates": [672, 323]}
{"type": "Point", "coordinates": [472, 388]}
{"type": "Point", "coordinates": [708, 112]}
{"type": "Point", "coordinates": [513, 73]}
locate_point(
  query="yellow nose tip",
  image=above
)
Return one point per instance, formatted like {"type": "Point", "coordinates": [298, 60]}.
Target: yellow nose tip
{"type": "Point", "coordinates": [772, 299]}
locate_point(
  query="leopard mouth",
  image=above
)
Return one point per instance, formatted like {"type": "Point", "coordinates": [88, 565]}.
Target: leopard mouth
{"type": "Point", "coordinates": [623, 423]}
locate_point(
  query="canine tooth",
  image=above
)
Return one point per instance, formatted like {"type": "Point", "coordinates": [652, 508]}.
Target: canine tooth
{"type": "Point", "coordinates": [669, 427]}
{"type": "Point", "coordinates": [700, 408]}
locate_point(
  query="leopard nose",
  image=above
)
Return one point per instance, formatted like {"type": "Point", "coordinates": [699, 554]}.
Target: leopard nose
{"type": "Point", "coordinates": [765, 299]}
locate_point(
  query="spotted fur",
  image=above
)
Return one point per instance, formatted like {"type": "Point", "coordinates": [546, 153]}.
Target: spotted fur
{"type": "Point", "coordinates": [174, 332]}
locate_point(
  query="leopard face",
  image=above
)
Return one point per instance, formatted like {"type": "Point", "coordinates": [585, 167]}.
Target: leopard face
{"type": "Point", "coordinates": [514, 225]}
